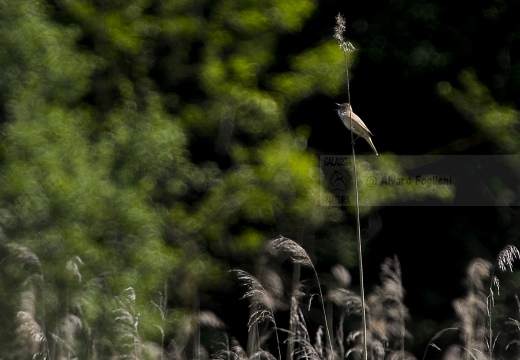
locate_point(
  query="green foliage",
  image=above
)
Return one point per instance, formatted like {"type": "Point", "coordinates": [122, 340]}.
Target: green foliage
{"type": "Point", "coordinates": [498, 122]}
{"type": "Point", "coordinates": [138, 142]}
{"type": "Point", "coordinates": [307, 78]}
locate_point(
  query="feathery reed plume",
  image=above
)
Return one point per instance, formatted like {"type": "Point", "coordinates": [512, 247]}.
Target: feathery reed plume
{"type": "Point", "coordinates": [257, 296]}
{"type": "Point", "coordinates": [65, 337]}
{"type": "Point", "coordinates": [30, 337]}
{"type": "Point", "coordinates": [347, 301]}
{"type": "Point", "coordinates": [301, 341]}
{"type": "Point", "coordinates": [260, 301]}
{"type": "Point", "coordinates": [300, 256]}
{"type": "Point", "coordinates": [237, 349]}
{"type": "Point", "coordinates": [471, 310]}
{"type": "Point", "coordinates": [127, 324]}
{"type": "Point", "coordinates": [25, 255]}
{"type": "Point", "coordinates": [318, 343]}
{"type": "Point", "coordinates": [175, 351]}
{"type": "Point", "coordinates": [209, 319]}
{"type": "Point", "coordinates": [73, 267]}
{"type": "Point", "coordinates": [233, 352]}
{"type": "Point", "coordinates": [474, 310]}
{"type": "Point", "coordinates": [293, 322]}
{"type": "Point", "coordinates": [162, 307]}
{"type": "Point", "coordinates": [341, 275]}
{"type": "Point", "coordinates": [504, 261]}
{"type": "Point", "coordinates": [295, 251]}
{"type": "Point", "coordinates": [388, 313]}
{"type": "Point", "coordinates": [507, 256]}
{"type": "Point", "coordinates": [339, 29]}
{"type": "Point", "coordinates": [347, 47]}
{"type": "Point", "coordinates": [69, 329]}
{"type": "Point", "coordinates": [376, 348]}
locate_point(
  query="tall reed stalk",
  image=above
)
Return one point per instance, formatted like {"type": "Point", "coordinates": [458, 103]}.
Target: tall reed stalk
{"type": "Point", "coordinates": [347, 47]}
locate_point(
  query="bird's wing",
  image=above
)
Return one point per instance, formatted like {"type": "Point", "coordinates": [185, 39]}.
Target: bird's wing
{"type": "Point", "coordinates": [361, 123]}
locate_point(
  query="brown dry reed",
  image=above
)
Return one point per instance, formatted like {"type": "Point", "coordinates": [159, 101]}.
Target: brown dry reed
{"type": "Point", "coordinates": [385, 336]}
{"type": "Point", "coordinates": [475, 310]}
{"type": "Point", "coordinates": [505, 260]}
{"type": "Point", "coordinates": [260, 301]}
{"type": "Point", "coordinates": [299, 255]}
{"type": "Point", "coordinates": [347, 47]}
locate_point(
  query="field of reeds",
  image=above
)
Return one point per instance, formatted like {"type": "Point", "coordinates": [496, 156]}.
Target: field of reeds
{"type": "Point", "coordinates": [324, 316]}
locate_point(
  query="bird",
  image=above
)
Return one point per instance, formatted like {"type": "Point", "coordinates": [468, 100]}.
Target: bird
{"type": "Point", "coordinates": [358, 126]}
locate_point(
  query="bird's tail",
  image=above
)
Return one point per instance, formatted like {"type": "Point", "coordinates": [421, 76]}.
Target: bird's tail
{"type": "Point", "coordinates": [369, 141]}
